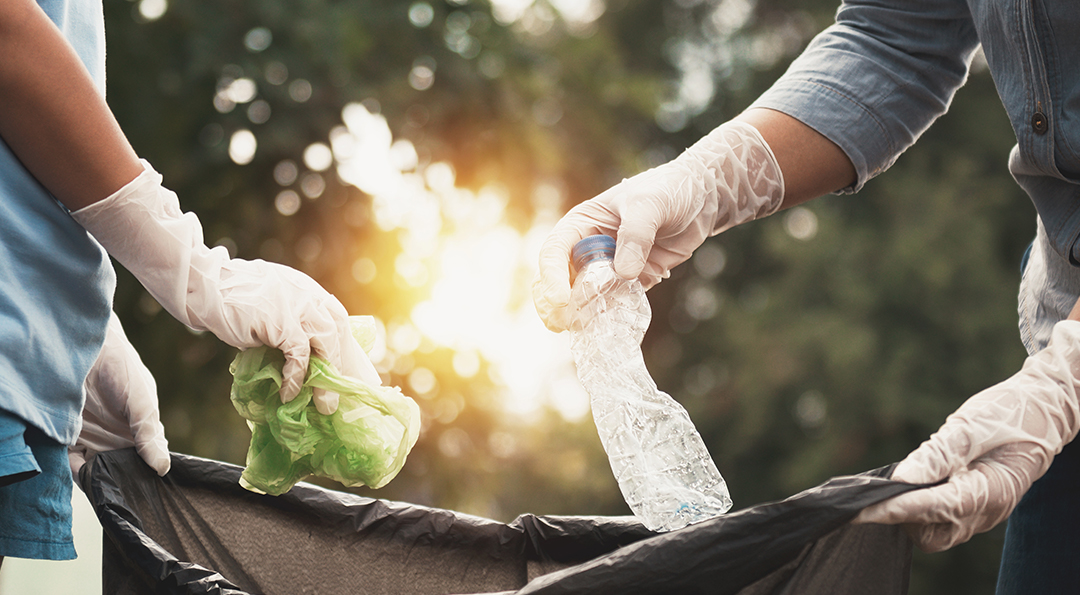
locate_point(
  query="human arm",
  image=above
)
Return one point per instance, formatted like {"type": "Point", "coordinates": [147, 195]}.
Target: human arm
{"type": "Point", "coordinates": [812, 165]}
{"type": "Point", "coordinates": [762, 161]}
{"type": "Point", "coordinates": [53, 116]}
{"type": "Point", "coordinates": [54, 119]}
{"type": "Point", "coordinates": [990, 451]}
{"type": "Point", "coordinates": [121, 407]}
{"type": "Point", "coordinates": [858, 96]}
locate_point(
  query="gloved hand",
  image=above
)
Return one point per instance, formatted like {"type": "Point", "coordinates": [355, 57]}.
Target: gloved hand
{"type": "Point", "coordinates": [991, 450]}
{"type": "Point", "coordinates": [244, 303]}
{"type": "Point", "coordinates": [659, 217]}
{"type": "Point", "coordinates": [121, 407]}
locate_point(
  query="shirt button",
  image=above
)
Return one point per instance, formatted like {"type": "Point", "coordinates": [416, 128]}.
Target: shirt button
{"type": "Point", "coordinates": [1039, 123]}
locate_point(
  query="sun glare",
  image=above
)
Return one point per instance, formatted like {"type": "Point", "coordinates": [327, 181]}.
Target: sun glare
{"type": "Point", "coordinates": [477, 270]}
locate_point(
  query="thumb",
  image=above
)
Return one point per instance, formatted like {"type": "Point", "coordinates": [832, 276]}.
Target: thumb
{"type": "Point", "coordinates": [949, 450]}
{"type": "Point", "coordinates": [293, 373]}
{"type": "Point", "coordinates": [551, 287]}
{"type": "Point", "coordinates": [133, 387]}
{"type": "Point", "coordinates": [326, 401]}
{"type": "Point", "coordinates": [152, 446]}
{"type": "Point", "coordinates": [144, 418]}
{"type": "Point", "coordinates": [935, 460]}
{"type": "Point", "coordinates": [635, 238]}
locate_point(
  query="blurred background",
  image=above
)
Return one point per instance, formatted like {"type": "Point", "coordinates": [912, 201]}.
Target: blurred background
{"type": "Point", "coordinates": [412, 155]}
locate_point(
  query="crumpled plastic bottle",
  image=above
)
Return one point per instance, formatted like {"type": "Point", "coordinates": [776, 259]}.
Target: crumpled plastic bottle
{"type": "Point", "coordinates": [662, 466]}
{"type": "Point", "coordinates": [364, 442]}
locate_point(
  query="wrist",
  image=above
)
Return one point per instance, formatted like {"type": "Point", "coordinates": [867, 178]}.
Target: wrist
{"type": "Point", "coordinates": [736, 174]}
{"type": "Point", "coordinates": [143, 228]}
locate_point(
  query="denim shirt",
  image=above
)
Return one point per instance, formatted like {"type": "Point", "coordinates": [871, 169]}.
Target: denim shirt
{"type": "Point", "coordinates": [875, 80]}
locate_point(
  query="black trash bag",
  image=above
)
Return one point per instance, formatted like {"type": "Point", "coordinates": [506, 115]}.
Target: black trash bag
{"type": "Point", "coordinates": [197, 531]}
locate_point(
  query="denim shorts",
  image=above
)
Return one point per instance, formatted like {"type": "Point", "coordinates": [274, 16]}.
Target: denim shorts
{"type": "Point", "coordinates": [35, 493]}
{"type": "Point", "coordinates": [1042, 538]}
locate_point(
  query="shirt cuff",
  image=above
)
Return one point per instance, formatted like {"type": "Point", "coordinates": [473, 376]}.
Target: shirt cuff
{"type": "Point", "coordinates": [839, 117]}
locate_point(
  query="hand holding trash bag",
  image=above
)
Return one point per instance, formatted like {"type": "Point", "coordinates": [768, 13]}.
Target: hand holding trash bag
{"type": "Point", "coordinates": [659, 217]}
{"type": "Point", "coordinates": [990, 450]}
{"type": "Point", "coordinates": [244, 303]}
{"type": "Point", "coordinates": [121, 407]}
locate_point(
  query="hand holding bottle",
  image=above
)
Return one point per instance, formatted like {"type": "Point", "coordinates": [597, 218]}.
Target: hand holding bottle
{"type": "Point", "coordinates": [662, 215]}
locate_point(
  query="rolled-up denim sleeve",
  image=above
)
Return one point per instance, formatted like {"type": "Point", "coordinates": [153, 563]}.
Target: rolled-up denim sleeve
{"type": "Point", "coordinates": [875, 80]}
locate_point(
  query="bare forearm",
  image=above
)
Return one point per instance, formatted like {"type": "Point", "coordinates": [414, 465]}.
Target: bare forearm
{"type": "Point", "coordinates": [812, 164]}
{"type": "Point", "coordinates": [51, 114]}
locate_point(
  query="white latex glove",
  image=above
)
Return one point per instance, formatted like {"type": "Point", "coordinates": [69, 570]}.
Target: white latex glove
{"type": "Point", "coordinates": [243, 303]}
{"type": "Point", "coordinates": [659, 217]}
{"type": "Point", "coordinates": [991, 450]}
{"type": "Point", "coordinates": [121, 407]}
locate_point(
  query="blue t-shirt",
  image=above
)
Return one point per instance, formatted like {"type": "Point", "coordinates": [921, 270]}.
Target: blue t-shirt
{"type": "Point", "coordinates": [57, 282]}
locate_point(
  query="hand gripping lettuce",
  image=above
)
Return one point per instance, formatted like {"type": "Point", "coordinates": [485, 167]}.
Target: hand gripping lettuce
{"type": "Point", "coordinates": [363, 443]}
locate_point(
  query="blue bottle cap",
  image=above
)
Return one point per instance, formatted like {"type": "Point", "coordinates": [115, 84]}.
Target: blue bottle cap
{"type": "Point", "coordinates": [592, 248]}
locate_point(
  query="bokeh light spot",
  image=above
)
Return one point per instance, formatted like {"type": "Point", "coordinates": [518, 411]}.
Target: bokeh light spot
{"type": "Point", "coordinates": [312, 185]}
{"type": "Point", "coordinates": [309, 247]}
{"type": "Point", "coordinates": [276, 73]}
{"type": "Point", "coordinates": [801, 223]}
{"type": "Point", "coordinates": [702, 302]}
{"type": "Point", "coordinates": [364, 270]}
{"type": "Point", "coordinates": [285, 172]}
{"type": "Point", "coordinates": [709, 260]}
{"type": "Point", "coordinates": [403, 338]}
{"type": "Point", "coordinates": [421, 15]}
{"type": "Point", "coordinates": [152, 10]}
{"type": "Point", "coordinates": [491, 65]}
{"type": "Point", "coordinates": [287, 202]}
{"type": "Point", "coordinates": [242, 147]}
{"type": "Point", "coordinates": [300, 90]}
{"type": "Point", "coordinates": [454, 443]}
{"type": "Point", "coordinates": [466, 363]}
{"type": "Point", "coordinates": [318, 157]}
{"type": "Point", "coordinates": [421, 77]}
{"type": "Point", "coordinates": [811, 410]}
{"type": "Point", "coordinates": [241, 90]}
{"type": "Point", "coordinates": [422, 380]}
{"type": "Point", "coordinates": [440, 176]}
{"type": "Point", "coordinates": [258, 39]}
{"type": "Point", "coordinates": [258, 112]}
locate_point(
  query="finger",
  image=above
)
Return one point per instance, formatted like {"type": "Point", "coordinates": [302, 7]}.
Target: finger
{"type": "Point", "coordinates": [551, 298]}
{"type": "Point", "coordinates": [948, 451]}
{"type": "Point", "coordinates": [294, 371]}
{"type": "Point", "coordinates": [635, 238]}
{"type": "Point", "coordinates": [327, 328]}
{"type": "Point", "coordinates": [326, 401]}
{"type": "Point", "coordinates": [152, 446]}
{"type": "Point", "coordinates": [660, 262]}
{"type": "Point", "coordinates": [905, 508]}
{"type": "Point", "coordinates": [551, 288]}
{"type": "Point", "coordinates": [156, 454]}
{"type": "Point", "coordinates": [957, 502]}
{"type": "Point", "coordinates": [325, 334]}
{"type": "Point", "coordinates": [147, 432]}
{"type": "Point", "coordinates": [133, 388]}
{"type": "Point", "coordinates": [938, 537]}
{"type": "Point", "coordinates": [355, 362]}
